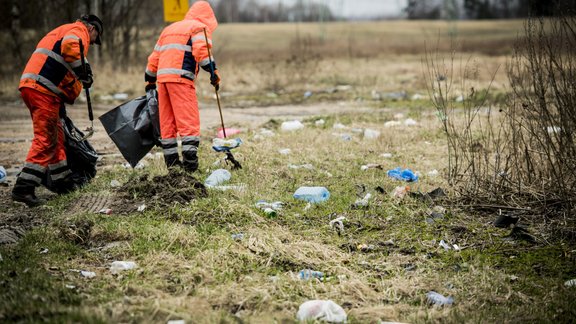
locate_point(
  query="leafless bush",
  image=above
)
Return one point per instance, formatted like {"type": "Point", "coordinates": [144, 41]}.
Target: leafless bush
{"type": "Point", "coordinates": [523, 154]}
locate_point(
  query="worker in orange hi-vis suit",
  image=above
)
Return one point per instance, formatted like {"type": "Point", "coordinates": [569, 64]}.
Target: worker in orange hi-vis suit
{"type": "Point", "coordinates": [54, 75]}
{"type": "Point", "coordinates": [179, 52]}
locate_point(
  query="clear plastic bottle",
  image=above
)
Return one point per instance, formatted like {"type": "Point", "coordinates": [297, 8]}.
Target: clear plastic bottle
{"type": "Point", "coordinates": [312, 194]}
{"type": "Point", "coordinates": [217, 177]}
{"type": "Point", "coordinates": [307, 274]}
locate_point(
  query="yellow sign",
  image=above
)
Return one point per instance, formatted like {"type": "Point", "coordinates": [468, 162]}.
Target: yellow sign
{"type": "Point", "coordinates": [175, 10]}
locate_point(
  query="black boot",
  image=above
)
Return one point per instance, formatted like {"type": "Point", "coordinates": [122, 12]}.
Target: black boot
{"type": "Point", "coordinates": [24, 192]}
{"type": "Point", "coordinates": [190, 162]}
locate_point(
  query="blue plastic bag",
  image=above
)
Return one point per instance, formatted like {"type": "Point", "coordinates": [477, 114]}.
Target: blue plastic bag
{"type": "Point", "coordinates": [402, 175]}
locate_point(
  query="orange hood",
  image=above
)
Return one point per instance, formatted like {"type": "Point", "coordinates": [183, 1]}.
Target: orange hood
{"type": "Point", "coordinates": [202, 12]}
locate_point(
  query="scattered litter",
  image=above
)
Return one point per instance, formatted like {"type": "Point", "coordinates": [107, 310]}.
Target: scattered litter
{"type": "Point", "coordinates": [285, 151]}
{"type": "Point", "coordinates": [394, 96]}
{"type": "Point", "coordinates": [410, 122]}
{"type": "Point", "coordinates": [417, 96]}
{"type": "Point", "coordinates": [386, 155]}
{"type": "Point", "coordinates": [105, 211]}
{"type": "Point", "coordinates": [238, 237]}
{"type": "Point", "coordinates": [570, 283]}
{"type": "Point", "coordinates": [366, 247]}
{"type": "Point", "coordinates": [2, 174]}
{"type": "Point", "coordinates": [217, 177]}
{"type": "Point", "coordinates": [120, 96]}
{"type": "Point", "coordinates": [276, 205]}
{"type": "Point", "coordinates": [307, 166]}
{"type": "Point", "coordinates": [371, 133]}
{"type": "Point", "coordinates": [445, 245]}
{"type": "Point", "coordinates": [239, 187]}
{"type": "Point", "coordinates": [312, 194]}
{"type": "Point", "coordinates": [339, 126]}
{"type": "Point", "coordinates": [400, 192]}
{"type": "Point", "coordinates": [362, 202]}
{"type": "Point", "coordinates": [115, 184]}
{"type": "Point", "coordinates": [403, 175]}
{"type": "Point", "coordinates": [371, 166]}
{"type": "Point", "coordinates": [343, 136]}
{"type": "Point", "coordinates": [460, 98]}
{"type": "Point", "coordinates": [264, 132]}
{"type": "Point", "coordinates": [435, 298]}
{"type": "Point", "coordinates": [307, 274]}
{"type": "Point", "coordinates": [433, 173]}
{"type": "Point", "coordinates": [70, 286]}
{"type": "Point", "coordinates": [138, 166]}
{"type": "Point", "coordinates": [118, 266]}
{"type": "Point", "coordinates": [376, 95]}
{"type": "Point", "coordinates": [456, 247]}
{"type": "Point", "coordinates": [553, 129]}
{"type": "Point", "coordinates": [324, 310]}
{"type": "Point", "coordinates": [307, 94]}
{"type": "Point", "coordinates": [293, 125]}
{"type": "Point", "coordinates": [43, 251]}
{"type": "Point", "coordinates": [141, 208]}
{"type": "Point", "coordinates": [88, 274]}
{"type": "Point", "coordinates": [221, 145]}
{"type": "Point", "coordinates": [229, 132]}
{"type": "Point", "coordinates": [392, 123]}
{"type": "Point", "coordinates": [338, 224]}
{"type": "Point", "coordinates": [319, 122]}
{"type": "Point", "coordinates": [176, 322]}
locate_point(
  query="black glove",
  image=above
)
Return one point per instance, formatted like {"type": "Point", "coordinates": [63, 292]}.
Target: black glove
{"type": "Point", "coordinates": [87, 83]}
{"type": "Point", "coordinates": [84, 74]}
{"type": "Point", "coordinates": [150, 86]}
{"type": "Point", "coordinates": [215, 79]}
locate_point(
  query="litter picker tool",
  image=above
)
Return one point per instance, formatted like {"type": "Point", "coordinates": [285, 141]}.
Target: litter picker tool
{"type": "Point", "coordinates": [229, 156]}
{"type": "Point", "coordinates": [89, 130]}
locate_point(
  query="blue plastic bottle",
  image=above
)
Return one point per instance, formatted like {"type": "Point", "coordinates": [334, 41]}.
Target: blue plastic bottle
{"type": "Point", "coordinates": [312, 194]}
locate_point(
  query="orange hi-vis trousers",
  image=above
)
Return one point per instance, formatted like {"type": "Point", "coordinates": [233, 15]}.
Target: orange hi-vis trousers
{"type": "Point", "coordinates": [178, 109]}
{"type": "Point", "coordinates": [47, 152]}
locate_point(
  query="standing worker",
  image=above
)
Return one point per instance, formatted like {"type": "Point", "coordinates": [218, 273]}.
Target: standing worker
{"type": "Point", "coordinates": [54, 75]}
{"type": "Point", "coordinates": [179, 52]}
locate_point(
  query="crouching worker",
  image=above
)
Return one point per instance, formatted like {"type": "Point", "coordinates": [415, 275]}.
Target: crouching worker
{"type": "Point", "coordinates": [54, 75]}
{"type": "Point", "coordinates": [179, 52]}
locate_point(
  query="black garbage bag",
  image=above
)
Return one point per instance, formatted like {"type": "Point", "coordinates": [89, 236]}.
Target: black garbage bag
{"type": "Point", "coordinates": [134, 126]}
{"type": "Point", "coordinates": [80, 156]}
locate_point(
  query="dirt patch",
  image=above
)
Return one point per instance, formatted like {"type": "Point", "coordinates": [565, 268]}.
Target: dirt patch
{"type": "Point", "coordinates": [160, 191]}
{"type": "Point", "coordinates": [16, 218]}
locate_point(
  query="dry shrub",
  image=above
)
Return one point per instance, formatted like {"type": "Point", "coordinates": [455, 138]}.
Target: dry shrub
{"type": "Point", "coordinates": [523, 154]}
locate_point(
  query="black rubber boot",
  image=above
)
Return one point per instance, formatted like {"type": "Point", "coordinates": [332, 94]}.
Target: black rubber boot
{"type": "Point", "coordinates": [24, 192]}
{"type": "Point", "coordinates": [190, 162]}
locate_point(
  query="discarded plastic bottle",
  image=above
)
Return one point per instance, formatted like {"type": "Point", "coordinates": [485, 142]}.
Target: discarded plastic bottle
{"type": "Point", "coordinates": [307, 274]}
{"type": "Point", "coordinates": [312, 194]}
{"type": "Point", "coordinates": [437, 299]}
{"type": "Point", "coordinates": [118, 266]}
{"type": "Point", "coordinates": [2, 174]}
{"type": "Point", "coordinates": [217, 177]}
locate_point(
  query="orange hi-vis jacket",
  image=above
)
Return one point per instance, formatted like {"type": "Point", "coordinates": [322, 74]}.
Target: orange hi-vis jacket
{"type": "Point", "coordinates": [181, 48]}
{"type": "Point", "coordinates": [50, 68]}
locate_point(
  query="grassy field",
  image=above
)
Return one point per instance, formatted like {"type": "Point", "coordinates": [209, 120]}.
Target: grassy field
{"type": "Point", "coordinates": [379, 268]}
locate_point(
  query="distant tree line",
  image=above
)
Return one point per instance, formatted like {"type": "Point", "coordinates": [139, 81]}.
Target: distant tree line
{"type": "Point", "coordinates": [487, 9]}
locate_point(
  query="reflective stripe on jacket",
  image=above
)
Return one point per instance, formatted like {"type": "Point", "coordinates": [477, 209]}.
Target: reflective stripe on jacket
{"type": "Point", "coordinates": [181, 48]}
{"type": "Point", "coordinates": [50, 68]}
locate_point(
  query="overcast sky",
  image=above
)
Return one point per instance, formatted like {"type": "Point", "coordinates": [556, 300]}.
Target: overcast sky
{"type": "Point", "coordinates": [356, 8]}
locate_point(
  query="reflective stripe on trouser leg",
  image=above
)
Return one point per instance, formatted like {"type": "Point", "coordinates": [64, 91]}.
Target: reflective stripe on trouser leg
{"type": "Point", "coordinates": [59, 171]}
{"type": "Point", "coordinates": [189, 152]}
{"type": "Point", "coordinates": [32, 173]}
{"type": "Point", "coordinates": [170, 149]}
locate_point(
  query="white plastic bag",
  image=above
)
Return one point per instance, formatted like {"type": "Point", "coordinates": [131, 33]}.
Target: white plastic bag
{"type": "Point", "coordinates": [326, 310]}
